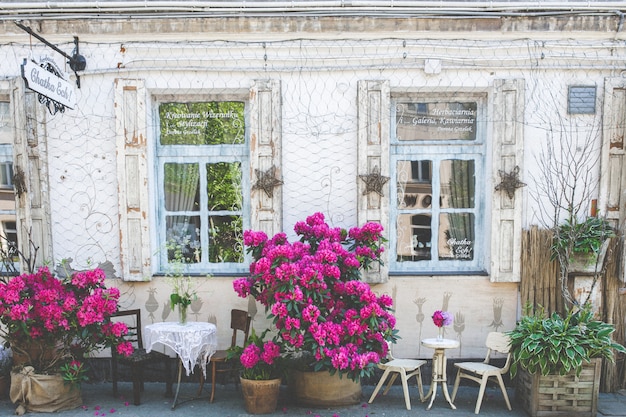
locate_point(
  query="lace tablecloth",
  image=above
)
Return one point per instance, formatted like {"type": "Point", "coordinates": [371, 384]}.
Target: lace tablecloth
{"type": "Point", "coordinates": [194, 342]}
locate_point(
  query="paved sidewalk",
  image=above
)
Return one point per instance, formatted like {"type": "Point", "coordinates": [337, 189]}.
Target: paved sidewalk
{"type": "Point", "coordinates": [98, 400]}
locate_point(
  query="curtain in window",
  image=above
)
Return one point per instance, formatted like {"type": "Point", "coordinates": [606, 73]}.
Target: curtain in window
{"type": "Point", "coordinates": [458, 193]}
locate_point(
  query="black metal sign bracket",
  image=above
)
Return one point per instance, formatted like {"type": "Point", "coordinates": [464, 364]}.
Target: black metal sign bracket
{"type": "Point", "coordinates": [77, 61]}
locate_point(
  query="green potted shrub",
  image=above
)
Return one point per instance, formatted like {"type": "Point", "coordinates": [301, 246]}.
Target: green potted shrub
{"type": "Point", "coordinates": [580, 243]}
{"type": "Point", "coordinates": [554, 353]}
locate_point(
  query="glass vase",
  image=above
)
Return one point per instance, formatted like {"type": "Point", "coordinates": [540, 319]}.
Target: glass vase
{"type": "Point", "coordinates": [182, 314]}
{"type": "Point", "coordinates": [440, 334]}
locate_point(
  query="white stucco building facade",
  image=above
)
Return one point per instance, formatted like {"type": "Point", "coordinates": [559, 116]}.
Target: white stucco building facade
{"type": "Point", "coordinates": [364, 112]}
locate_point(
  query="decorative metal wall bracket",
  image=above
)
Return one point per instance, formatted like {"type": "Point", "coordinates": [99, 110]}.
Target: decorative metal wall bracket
{"type": "Point", "coordinates": [266, 181]}
{"type": "Point", "coordinates": [374, 182]}
{"type": "Point", "coordinates": [510, 182]}
{"type": "Point", "coordinates": [77, 61]}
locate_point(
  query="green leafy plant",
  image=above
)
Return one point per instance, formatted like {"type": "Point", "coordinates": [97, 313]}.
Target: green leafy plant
{"type": "Point", "coordinates": [559, 345]}
{"type": "Point", "coordinates": [183, 293]}
{"type": "Point", "coordinates": [573, 237]}
{"type": "Point", "coordinates": [74, 372]}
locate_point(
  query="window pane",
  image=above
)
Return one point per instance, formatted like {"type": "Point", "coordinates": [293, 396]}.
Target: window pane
{"type": "Point", "coordinates": [225, 239]}
{"type": "Point", "coordinates": [457, 184]}
{"type": "Point", "coordinates": [414, 237]}
{"type": "Point", "coordinates": [183, 234]}
{"type": "Point", "coordinates": [436, 121]}
{"type": "Point", "coordinates": [5, 121]}
{"type": "Point", "coordinates": [10, 244]}
{"type": "Point", "coordinates": [204, 123]}
{"type": "Point", "coordinates": [414, 184]}
{"type": "Point", "coordinates": [182, 182]}
{"type": "Point", "coordinates": [224, 187]}
{"type": "Point", "coordinates": [456, 236]}
{"type": "Point", "coordinates": [6, 175]}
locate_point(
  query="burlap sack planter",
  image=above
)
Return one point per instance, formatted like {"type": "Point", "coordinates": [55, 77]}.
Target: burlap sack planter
{"type": "Point", "coordinates": [32, 392]}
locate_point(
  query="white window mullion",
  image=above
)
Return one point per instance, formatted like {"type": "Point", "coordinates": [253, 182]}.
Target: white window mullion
{"type": "Point", "coordinates": [435, 210]}
{"type": "Point", "coordinates": [204, 216]}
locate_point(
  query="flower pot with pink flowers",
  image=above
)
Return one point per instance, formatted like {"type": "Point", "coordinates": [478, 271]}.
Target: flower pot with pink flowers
{"type": "Point", "coordinates": [51, 323]}
{"type": "Point", "coordinates": [262, 368]}
{"type": "Point", "coordinates": [326, 319]}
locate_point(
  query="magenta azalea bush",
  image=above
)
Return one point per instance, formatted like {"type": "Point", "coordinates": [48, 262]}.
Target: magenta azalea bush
{"type": "Point", "coordinates": [313, 293]}
{"type": "Point", "coordinates": [260, 359]}
{"type": "Point", "coordinates": [68, 316]}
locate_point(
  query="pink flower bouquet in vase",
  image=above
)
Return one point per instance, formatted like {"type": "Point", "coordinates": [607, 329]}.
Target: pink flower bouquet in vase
{"type": "Point", "coordinates": [441, 319]}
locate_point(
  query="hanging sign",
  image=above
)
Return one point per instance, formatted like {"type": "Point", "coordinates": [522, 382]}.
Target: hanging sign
{"type": "Point", "coordinates": [47, 81]}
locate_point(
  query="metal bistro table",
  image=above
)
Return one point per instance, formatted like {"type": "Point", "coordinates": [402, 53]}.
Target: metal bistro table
{"type": "Point", "coordinates": [193, 342]}
{"type": "Point", "coordinates": [439, 367]}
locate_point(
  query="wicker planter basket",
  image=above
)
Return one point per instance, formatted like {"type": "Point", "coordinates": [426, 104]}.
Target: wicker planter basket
{"type": "Point", "coordinates": [560, 396]}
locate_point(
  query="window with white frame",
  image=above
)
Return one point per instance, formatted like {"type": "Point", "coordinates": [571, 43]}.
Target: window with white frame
{"type": "Point", "coordinates": [437, 154]}
{"type": "Point", "coordinates": [202, 156]}
{"type": "Point", "coordinates": [6, 175]}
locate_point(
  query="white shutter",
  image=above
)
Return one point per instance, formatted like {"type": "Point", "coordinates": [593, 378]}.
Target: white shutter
{"type": "Point", "coordinates": [374, 102]}
{"type": "Point", "coordinates": [265, 156]}
{"type": "Point", "coordinates": [612, 202]}
{"type": "Point", "coordinates": [508, 146]}
{"type": "Point", "coordinates": [30, 163]}
{"type": "Point", "coordinates": [132, 176]}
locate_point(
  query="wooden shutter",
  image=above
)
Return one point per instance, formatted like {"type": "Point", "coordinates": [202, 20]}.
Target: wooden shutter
{"type": "Point", "coordinates": [30, 165]}
{"type": "Point", "coordinates": [374, 102]}
{"type": "Point", "coordinates": [612, 202]}
{"type": "Point", "coordinates": [508, 153]}
{"type": "Point", "coordinates": [132, 176]}
{"type": "Point", "coordinates": [265, 155]}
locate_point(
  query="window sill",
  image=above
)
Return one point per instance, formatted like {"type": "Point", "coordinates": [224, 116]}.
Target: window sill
{"type": "Point", "coordinates": [437, 273]}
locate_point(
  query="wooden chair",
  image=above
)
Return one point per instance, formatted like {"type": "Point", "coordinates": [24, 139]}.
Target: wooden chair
{"type": "Point", "coordinates": [140, 358]}
{"type": "Point", "coordinates": [481, 371]}
{"type": "Point", "coordinates": [240, 323]}
{"type": "Point", "coordinates": [405, 368]}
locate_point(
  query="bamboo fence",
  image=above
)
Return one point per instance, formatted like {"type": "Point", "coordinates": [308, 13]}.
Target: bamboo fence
{"type": "Point", "coordinates": [613, 312]}
{"type": "Point", "coordinates": [540, 288]}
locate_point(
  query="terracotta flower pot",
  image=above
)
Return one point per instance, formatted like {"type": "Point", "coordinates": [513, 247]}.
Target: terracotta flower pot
{"type": "Point", "coordinates": [260, 397]}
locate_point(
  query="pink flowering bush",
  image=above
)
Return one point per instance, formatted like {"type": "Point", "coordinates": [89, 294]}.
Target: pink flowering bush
{"type": "Point", "coordinates": [260, 359]}
{"type": "Point", "coordinates": [69, 316]}
{"type": "Point", "coordinates": [312, 290]}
